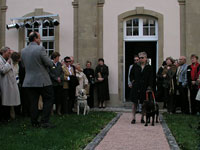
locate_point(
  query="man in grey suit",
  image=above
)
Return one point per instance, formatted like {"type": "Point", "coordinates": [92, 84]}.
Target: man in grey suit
{"type": "Point", "coordinates": [37, 81]}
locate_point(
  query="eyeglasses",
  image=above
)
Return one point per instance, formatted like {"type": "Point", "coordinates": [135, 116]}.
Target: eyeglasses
{"type": "Point", "coordinates": [67, 61]}
{"type": "Point", "coordinates": [141, 57]}
{"type": "Point", "coordinates": [136, 59]}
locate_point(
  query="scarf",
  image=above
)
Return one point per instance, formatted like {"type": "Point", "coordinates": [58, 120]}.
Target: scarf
{"type": "Point", "coordinates": [194, 75]}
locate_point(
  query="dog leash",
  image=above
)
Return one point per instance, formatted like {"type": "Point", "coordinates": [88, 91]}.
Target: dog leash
{"type": "Point", "coordinates": [154, 101]}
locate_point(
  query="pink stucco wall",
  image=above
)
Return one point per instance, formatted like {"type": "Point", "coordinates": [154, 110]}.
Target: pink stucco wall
{"type": "Point", "coordinates": [64, 8]}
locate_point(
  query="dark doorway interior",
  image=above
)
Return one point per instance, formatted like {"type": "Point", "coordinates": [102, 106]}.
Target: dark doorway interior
{"type": "Point", "coordinates": [133, 48]}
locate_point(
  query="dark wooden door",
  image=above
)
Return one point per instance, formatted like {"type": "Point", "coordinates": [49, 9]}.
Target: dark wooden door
{"type": "Point", "coordinates": [133, 48]}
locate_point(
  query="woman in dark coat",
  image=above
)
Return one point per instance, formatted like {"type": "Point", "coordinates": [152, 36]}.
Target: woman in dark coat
{"type": "Point", "coordinates": [169, 83]}
{"type": "Point", "coordinates": [159, 84]}
{"type": "Point", "coordinates": [89, 72]}
{"type": "Point", "coordinates": [141, 77]}
{"type": "Point", "coordinates": [101, 75]}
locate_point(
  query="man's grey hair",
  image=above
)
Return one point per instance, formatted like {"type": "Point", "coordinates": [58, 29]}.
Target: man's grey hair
{"type": "Point", "coordinates": [142, 54]}
{"type": "Point", "coordinates": [4, 49]}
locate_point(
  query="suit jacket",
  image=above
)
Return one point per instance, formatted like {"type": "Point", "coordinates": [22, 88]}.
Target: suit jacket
{"type": "Point", "coordinates": [36, 62]}
{"type": "Point", "coordinates": [89, 72]}
{"type": "Point", "coordinates": [55, 72]}
{"type": "Point", "coordinates": [182, 74]}
{"type": "Point", "coordinates": [141, 80]}
{"type": "Point", "coordinates": [67, 76]}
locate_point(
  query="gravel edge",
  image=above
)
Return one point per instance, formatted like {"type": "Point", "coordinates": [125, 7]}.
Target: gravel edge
{"type": "Point", "coordinates": [102, 134]}
{"type": "Point", "coordinates": [170, 138]}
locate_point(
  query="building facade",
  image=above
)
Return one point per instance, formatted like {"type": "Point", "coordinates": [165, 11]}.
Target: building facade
{"type": "Point", "coordinates": [112, 29]}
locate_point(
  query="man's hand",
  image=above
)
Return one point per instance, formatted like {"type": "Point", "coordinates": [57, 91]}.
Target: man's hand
{"type": "Point", "coordinates": [193, 82]}
{"type": "Point", "coordinates": [164, 75]}
{"type": "Point", "coordinates": [100, 79]}
{"type": "Point", "coordinates": [9, 61]}
{"type": "Point", "coordinates": [59, 80]}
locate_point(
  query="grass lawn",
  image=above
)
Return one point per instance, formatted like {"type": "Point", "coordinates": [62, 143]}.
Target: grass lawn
{"type": "Point", "coordinates": [72, 132]}
{"type": "Point", "coordinates": [184, 129]}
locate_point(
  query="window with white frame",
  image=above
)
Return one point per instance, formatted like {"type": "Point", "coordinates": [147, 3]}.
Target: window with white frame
{"type": "Point", "coordinates": [47, 35]}
{"type": "Point", "coordinates": [141, 29]}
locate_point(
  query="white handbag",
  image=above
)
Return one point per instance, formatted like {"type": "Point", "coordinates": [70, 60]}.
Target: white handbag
{"type": "Point", "coordinates": [198, 95]}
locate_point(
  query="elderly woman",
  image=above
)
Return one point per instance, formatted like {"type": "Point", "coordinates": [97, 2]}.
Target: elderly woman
{"type": "Point", "coordinates": [169, 81]}
{"type": "Point", "coordinates": [101, 75]}
{"type": "Point", "coordinates": [15, 58]}
{"type": "Point", "coordinates": [8, 82]}
{"type": "Point", "coordinates": [83, 81]}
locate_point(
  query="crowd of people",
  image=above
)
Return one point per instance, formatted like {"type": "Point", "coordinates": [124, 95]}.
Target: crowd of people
{"type": "Point", "coordinates": [173, 81]}
{"type": "Point", "coordinates": [31, 81]}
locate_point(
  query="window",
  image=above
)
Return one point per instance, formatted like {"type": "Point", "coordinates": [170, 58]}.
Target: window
{"type": "Point", "coordinates": [47, 35]}
{"type": "Point", "coordinates": [149, 27]}
{"type": "Point", "coordinates": [141, 28]}
{"type": "Point", "coordinates": [132, 27]}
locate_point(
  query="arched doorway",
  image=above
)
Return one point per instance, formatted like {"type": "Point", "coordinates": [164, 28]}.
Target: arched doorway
{"type": "Point", "coordinates": [140, 34]}
{"type": "Point", "coordinates": [126, 41]}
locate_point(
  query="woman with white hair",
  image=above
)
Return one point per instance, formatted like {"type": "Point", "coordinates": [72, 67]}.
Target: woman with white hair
{"type": "Point", "coordinates": [83, 81]}
{"type": "Point", "coordinates": [8, 82]}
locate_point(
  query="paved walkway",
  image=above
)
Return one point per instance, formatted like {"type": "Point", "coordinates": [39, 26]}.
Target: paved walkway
{"type": "Point", "coordinates": [126, 136]}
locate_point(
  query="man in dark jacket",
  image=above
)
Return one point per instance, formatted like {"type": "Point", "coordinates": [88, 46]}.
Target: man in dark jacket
{"type": "Point", "coordinates": [57, 78]}
{"type": "Point", "coordinates": [141, 77]}
{"type": "Point", "coordinates": [181, 77]}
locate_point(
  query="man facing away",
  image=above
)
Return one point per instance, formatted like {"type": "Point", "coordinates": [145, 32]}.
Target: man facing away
{"type": "Point", "coordinates": [37, 81]}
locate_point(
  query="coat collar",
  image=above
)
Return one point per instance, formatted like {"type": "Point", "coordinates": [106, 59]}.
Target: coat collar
{"type": "Point", "coordinates": [2, 58]}
{"type": "Point", "coordinates": [33, 43]}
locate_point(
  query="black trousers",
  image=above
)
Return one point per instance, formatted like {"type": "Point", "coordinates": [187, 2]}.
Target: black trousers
{"type": "Point", "coordinates": [194, 102]}
{"type": "Point", "coordinates": [169, 98]}
{"type": "Point", "coordinates": [25, 103]}
{"type": "Point", "coordinates": [183, 91]}
{"type": "Point", "coordinates": [47, 94]}
{"type": "Point", "coordinates": [65, 104]}
{"type": "Point", "coordinates": [72, 97]}
{"type": "Point", "coordinates": [58, 90]}
{"type": "Point", "coordinates": [90, 99]}
{"type": "Point", "coordinates": [4, 113]}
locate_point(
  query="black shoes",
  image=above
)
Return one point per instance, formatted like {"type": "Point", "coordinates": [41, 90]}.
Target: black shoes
{"type": "Point", "coordinates": [133, 121]}
{"type": "Point", "coordinates": [36, 125]}
{"type": "Point", "coordinates": [142, 121]}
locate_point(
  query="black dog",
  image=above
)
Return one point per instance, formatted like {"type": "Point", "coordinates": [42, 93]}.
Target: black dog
{"type": "Point", "coordinates": [150, 108]}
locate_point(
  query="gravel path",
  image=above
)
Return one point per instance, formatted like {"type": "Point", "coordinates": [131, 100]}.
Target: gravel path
{"type": "Point", "coordinates": [126, 136]}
